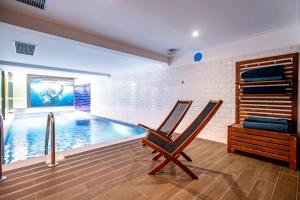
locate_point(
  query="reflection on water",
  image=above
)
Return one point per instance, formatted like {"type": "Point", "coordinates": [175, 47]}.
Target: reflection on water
{"type": "Point", "coordinates": [26, 136]}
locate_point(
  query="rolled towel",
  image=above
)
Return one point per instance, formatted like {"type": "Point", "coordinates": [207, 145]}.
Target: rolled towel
{"type": "Point", "coordinates": [267, 120]}
{"type": "Point", "coordinates": [271, 78]}
{"type": "Point", "coordinates": [284, 128]}
{"type": "Point", "coordinates": [265, 90]}
{"type": "Point", "coordinates": [277, 70]}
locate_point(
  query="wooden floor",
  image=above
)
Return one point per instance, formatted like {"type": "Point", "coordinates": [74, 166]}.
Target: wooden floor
{"type": "Point", "coordinates": [120, 172]}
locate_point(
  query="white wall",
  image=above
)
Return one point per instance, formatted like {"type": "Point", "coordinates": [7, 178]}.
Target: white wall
{"type": "Point", "coordinates": [257, 43]}
{"type": "Point", "coordinates": [19, 90]}
{"type": "Point", "coordinates": [148, 97]}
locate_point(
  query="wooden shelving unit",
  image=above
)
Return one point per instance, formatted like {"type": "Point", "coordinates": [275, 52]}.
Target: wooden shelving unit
{"type": "Point", "coordinates": [281, 146]}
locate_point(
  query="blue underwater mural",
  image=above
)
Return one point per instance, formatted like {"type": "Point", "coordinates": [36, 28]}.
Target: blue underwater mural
{"type": "Point", "coordinates": [51, 92]}
{"type": "Point", "coordinates": [83, 97]}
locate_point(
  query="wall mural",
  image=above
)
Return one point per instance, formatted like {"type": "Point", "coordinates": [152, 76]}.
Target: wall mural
{"type": "Point", "coordinates": [83, 97]}
{"type": "Point", "coordinates": [50, 91]}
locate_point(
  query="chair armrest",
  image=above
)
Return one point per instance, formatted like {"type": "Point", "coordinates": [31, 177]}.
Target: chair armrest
{"type": "Point", "coordinates": [161, 137]}
{"type": "Point", "coordinates": [145, 127]}
{"type": "Point", "coordinates": [153, 132]}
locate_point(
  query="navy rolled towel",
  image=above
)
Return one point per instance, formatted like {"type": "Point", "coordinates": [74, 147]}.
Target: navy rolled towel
{"type": "Point", "coordinates": [270, 78]}
{"type": "Point", "coordinates": [277, 70]}
{"type": "Point", "coordinates": [265, 90]}
{"type": "Point", "coordinates": [267, 120]}
{"type": "Point", "coordinates": [283, 128]}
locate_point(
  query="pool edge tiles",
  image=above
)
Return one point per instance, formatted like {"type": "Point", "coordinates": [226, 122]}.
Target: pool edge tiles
{"type": "Point", "coordinates": [42, 159]}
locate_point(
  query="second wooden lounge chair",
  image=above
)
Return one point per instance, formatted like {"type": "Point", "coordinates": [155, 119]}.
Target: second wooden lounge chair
{"type": "Point", "coordinates": [171, 150]}
{"type": "Point", "coordinates": [173, 119]}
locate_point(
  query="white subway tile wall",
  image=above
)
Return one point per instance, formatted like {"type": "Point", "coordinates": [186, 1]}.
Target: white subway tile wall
{"type": "Point", "coordinates": [148, 98]}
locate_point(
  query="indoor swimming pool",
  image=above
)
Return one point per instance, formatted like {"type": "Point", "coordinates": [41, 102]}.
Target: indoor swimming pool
{"type": "Point", "coordinates": [26, 136]}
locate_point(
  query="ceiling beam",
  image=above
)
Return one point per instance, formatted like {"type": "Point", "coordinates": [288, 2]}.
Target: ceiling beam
{"type": "Point", "coordinates": [77, 35]}
{"type": "Point", "coordinates": [43, 67]}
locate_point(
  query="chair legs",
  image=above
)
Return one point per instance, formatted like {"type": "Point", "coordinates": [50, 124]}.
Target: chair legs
{"type": "Point", "coordinates": [154, 151]}
{"type": "Point", "coordinates": [178, 163]}
{"type": "Point", "coordinates": [185, 169]}
{"type": "Point", "coordinates": [186, 157]}
{"type": "Point", "coordinates": [182, 153]}
{"type": "Point", "coordinates": [157, 156]}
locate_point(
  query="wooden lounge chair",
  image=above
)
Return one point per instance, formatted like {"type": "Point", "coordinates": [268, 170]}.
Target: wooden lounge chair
{"type": "Point", "coordinates": [171, 122]}
{"type": "Point", "coordinates": [171, 150]}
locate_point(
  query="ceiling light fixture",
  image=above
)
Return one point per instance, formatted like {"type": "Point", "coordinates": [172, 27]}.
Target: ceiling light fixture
{"type": "Point", "coordinates": [195, 34]}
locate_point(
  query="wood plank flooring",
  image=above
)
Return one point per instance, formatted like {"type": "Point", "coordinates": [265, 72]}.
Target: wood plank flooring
{"type": "Point", "coordinates": [120, 172]}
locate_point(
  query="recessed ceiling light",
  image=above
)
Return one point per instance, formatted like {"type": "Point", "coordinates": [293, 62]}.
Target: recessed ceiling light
{"type": "Point", "coordinates": [195, 34]}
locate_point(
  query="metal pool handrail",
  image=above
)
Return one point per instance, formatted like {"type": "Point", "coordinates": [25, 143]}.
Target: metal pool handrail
{"type": "Point", "coordinates": [2, 178]}
{"type": "Point", "coordinates": [51, 127]}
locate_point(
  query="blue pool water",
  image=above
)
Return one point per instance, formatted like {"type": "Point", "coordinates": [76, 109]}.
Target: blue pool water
{"type": "Point", "coordinates": [26, 136]}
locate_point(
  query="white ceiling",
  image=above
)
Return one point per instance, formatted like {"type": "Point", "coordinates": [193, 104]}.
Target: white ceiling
{"type": "Point", "coordinates": [150, 25]}
{"type": "Point", "coordinates": [158, 25]}
{"type": "Point", "coordinates": [52, 51]}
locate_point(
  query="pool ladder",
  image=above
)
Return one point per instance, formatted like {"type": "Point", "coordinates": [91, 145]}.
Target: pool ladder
{"type": "Point", "coordinates": [2, 178]}
{"type": "Point", "coordinates": [51, 128]}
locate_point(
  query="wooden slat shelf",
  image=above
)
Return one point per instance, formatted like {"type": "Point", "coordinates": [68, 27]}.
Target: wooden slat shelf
{"type": "Point", "coordinates": [259, 95]}
{"type": "Point", "coordinates": [276, 145]}
{"type": "Point", "coordinates": [264, 82]}
{"type": "Point", "coordinates": [267, 107]}
{"type": "Point", "coordinates": [265, 115]}
{"type": "Point", "coordinates": [287, 66]}
{"type": "Point", "coordinates": [268, 60]}
{"type": "Point", "coordinates": [265, 103]}
{"type": "Point", "coordinates": [265, 99]}
{"type": "Point", "coordinates": [265, 110]}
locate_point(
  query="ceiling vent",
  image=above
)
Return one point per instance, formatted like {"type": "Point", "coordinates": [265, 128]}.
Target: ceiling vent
{"type": "Point", "coordinates": [34, 3]}
{"type": "Point", "coordinates": [24, 48]}
{"type": "Point", "coordinates": [172, 51]}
